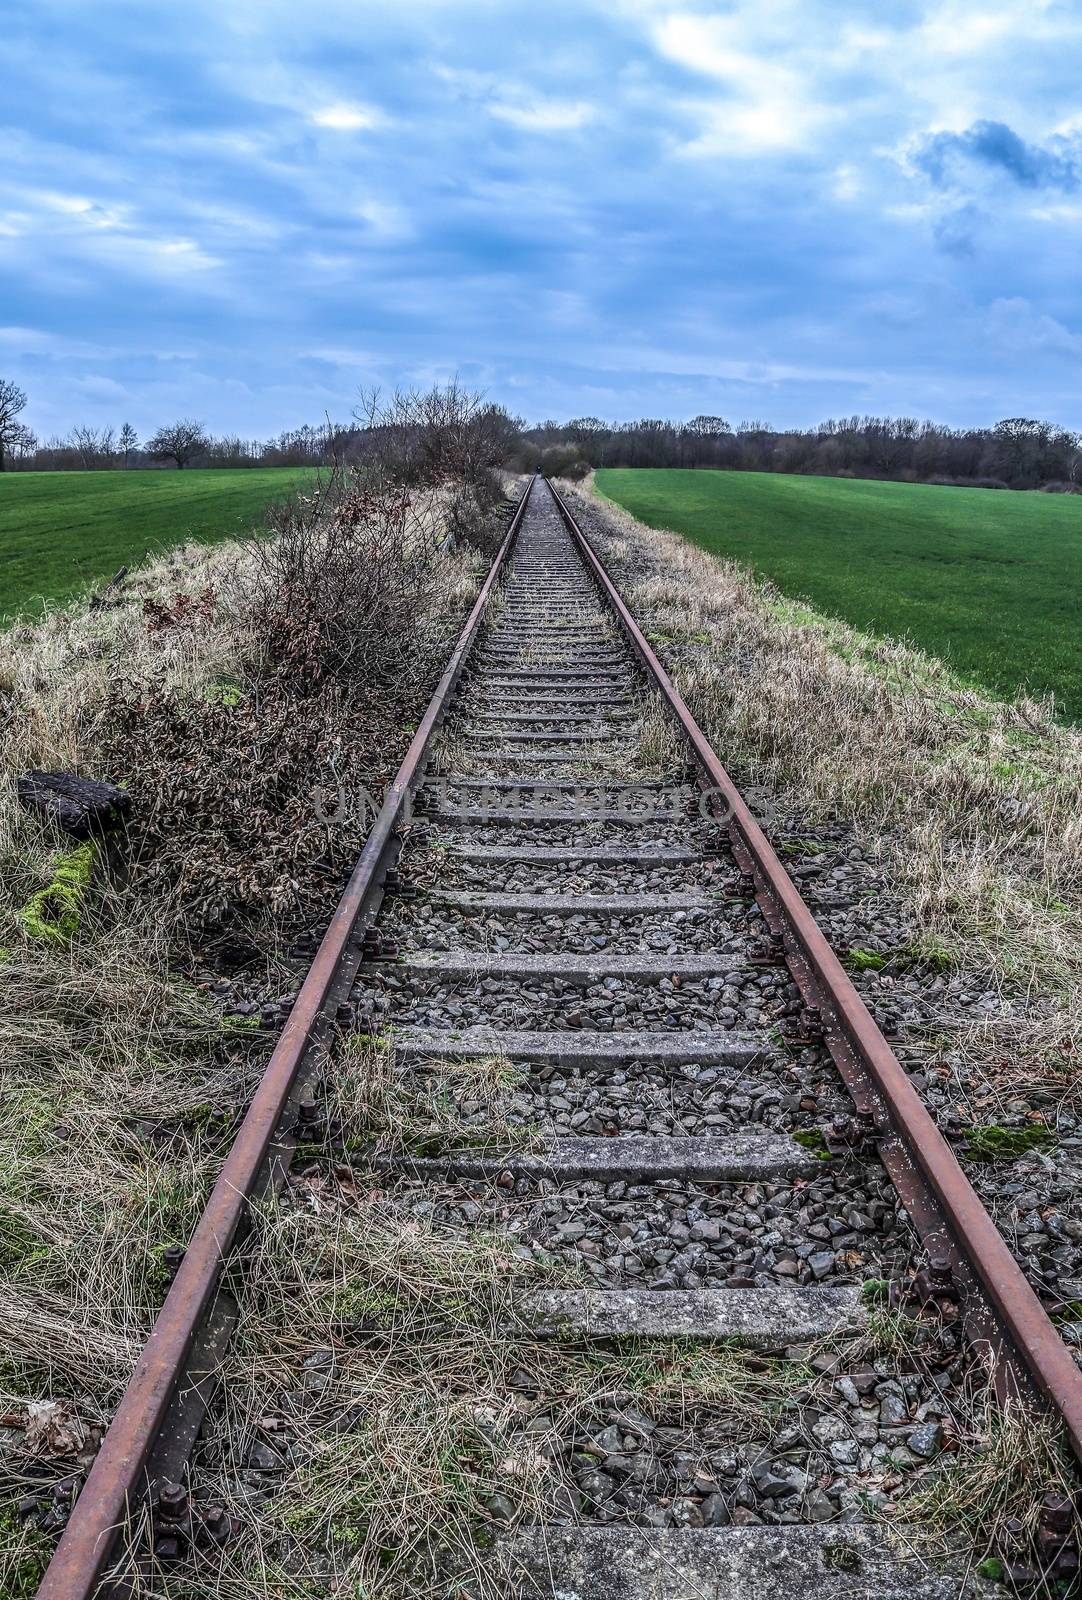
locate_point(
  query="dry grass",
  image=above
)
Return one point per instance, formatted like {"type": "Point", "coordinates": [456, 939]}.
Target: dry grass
{"type": "Point", "coordinates": [974, 804]}
{"type": "Point", "coordinates": [120, 1083]}
{"type": "Point", "coordinates": [989, 1491]}
{"type": "Point", "coordinates": [56, 675]}
{"type": "Point", "coordinates": [420, 1415]}
{"type": "Point", "coordinates": [392, 1112]}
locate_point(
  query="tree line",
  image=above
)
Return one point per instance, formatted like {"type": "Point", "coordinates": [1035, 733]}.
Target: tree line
{"type": "Point", "coordinates": [1015, 453]}
{"type": "Point", "coordinates": [420, 432]}
{"type": "Point", "coordinates": [184, 443]}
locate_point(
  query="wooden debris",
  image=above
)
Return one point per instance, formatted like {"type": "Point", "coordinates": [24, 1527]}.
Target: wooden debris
{"type": "Point", "coordinates": [80, 806]}
{"type": "Point", "coordinates": [109, 595]}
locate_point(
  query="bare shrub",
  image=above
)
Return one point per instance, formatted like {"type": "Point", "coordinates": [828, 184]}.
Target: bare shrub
{"type": "Point", "coordinates": [253, 795]}
{"type": "Point", "coordinates": [445, 434]}
{"type": "Point", "coordinates": [350, 576]}
{"type": "Point", "coordinates": [473, 519]}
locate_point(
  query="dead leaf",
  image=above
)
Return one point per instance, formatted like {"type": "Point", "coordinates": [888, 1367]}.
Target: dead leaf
{"type": "Point", "coordinates": [53, 1429]}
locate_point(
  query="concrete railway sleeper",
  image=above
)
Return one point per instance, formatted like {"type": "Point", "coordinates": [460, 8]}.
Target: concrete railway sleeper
{"type": "Point", "coordinates": [705, 1150]}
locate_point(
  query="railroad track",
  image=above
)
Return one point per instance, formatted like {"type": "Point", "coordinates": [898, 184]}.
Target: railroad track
{"type": "Point", "coordinates": [724, 1144]}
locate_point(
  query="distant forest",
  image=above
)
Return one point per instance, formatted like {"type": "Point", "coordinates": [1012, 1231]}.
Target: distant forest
{"type": "Point", "coordinates": [1016, 453]}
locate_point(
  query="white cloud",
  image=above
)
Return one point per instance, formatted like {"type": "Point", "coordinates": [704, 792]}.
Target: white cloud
{"type": "Point", "coordinates": [97, 386]}
{"type": "Point", "coordinates": [767, 104]}
{"type": "Point", "coordinates": [1059, 212]}
{"type": "Point", "coordinates": [384, 219]}
{"type": "Point", "coordinates": [94, 214]}
{"type": "Point", "coordinates": [846, 183]}
{"type": "Point", "coordinates": [337, 356]}
{"type": "Point", "coordinates": [346, 117]}
{"type": "Point", "coordinates": [544, 116]}
{"type": "Point", "coordinates": [329, 263]}
{"type": "Point", "coordinates": [153, 256]}
{"type": "Point", "coordinates": [516, 103]}
{"type": "Point", "coordinates": [13, 224]}
{"type": "Point", "coordinates": [112, 233]}
{"type": "Point", "coordinates": [234, 219]}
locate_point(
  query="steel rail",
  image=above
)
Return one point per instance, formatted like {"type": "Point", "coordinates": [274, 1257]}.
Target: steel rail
{"type": "Point", "coordinates": [1000, 1309]}
{"type": "Point", "coordinates": [118, 1478]}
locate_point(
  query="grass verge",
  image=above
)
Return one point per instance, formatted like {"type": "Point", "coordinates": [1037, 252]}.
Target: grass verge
{"type": "Point", "coordinates": [121, 1078]}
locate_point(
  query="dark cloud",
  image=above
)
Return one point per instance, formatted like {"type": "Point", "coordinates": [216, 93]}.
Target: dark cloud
{"type": "Point", "coordinates": [994, 144]}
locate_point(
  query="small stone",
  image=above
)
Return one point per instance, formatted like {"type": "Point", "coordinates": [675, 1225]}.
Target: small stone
{"type": "Point", "coordinates": [829, 1429]}
{"type": "Point", "coordinates": [770, 1484]}
{"type": "Point", "coordinates": [687, 1513]}
{"type": "Point", "coordinates": [707, 1230]}
{"type": "Point", "coordinates": [926, 1441]}
{"type": "Point", "coordinates": [818, 1507]}
{"type": "Point", "coordinates": [893, 1411]}
{"type": "Point", "coordinates": [715, 1512]}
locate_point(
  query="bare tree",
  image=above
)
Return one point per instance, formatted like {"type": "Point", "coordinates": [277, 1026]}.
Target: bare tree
{"type": "Point", "coordinates": [127, 443]}
{"type": "Point", "coordinates": [12, 401]}
{"type": "Point", "coordinates": [22, 444]}
{"type": "Point", "coordinates": [178, 442]}
{"type": "Point", "coordinates": [94, 446]}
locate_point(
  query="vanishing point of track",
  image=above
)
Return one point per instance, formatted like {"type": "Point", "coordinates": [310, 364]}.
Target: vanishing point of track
{"type": "Point", "coordinates": [550, 670]}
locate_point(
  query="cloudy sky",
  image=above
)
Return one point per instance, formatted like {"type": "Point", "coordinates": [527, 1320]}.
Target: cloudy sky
{"type": "Point", "coordinates": [245, 210]}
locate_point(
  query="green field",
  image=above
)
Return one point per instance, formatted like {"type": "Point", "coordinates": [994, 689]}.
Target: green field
{"type": "Point", "coordinates": [61, 530]}
{"type": "Point", "coordinates": [991, 581]}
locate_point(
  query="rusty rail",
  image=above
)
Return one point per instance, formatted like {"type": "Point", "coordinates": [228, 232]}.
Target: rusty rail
{"type": "Point", "coordinates": [118, 1480]}
{"type": "Point", "coordinates": [1001, 1312]}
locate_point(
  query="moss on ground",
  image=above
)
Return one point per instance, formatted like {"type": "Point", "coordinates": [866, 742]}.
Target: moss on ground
{"type": "Point", "coordinates": [55, 912]}
{"type": "Point", "coordinates": [812, 1139]}
{"type": "Point", "coordinates": [993, 1143]}
{"type": "Point", "coordinates": [865, 960]}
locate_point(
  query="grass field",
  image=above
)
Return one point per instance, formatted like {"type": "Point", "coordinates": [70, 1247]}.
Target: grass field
{"type": "Point", "coordinates": [60, 530]}
{"type": "Point", "coordinates": [990, 581]}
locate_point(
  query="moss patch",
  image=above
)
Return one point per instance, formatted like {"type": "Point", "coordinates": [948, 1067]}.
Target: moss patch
{"type": "Point", "coordinates": [865, 960]}
{"type": "Point", "coordinates": [224, 692]}
{"type": "Point", "coordinates": [812, 1139]}
{"type": "Point", "coordinates": [55, 912]}
{"type": "Point", "coordinates": [992, 1143]}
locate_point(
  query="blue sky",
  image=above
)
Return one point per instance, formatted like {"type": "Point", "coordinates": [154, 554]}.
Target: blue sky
{"type": "Point", "coordinates": [244, 210]}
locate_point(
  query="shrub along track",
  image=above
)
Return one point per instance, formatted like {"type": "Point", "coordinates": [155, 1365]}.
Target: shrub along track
{"type": "Point", "coordinates": [590, 899]}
